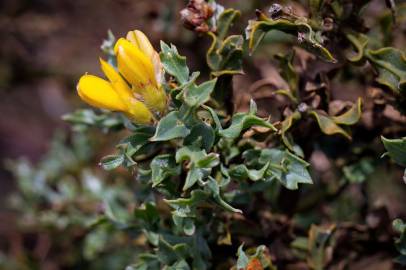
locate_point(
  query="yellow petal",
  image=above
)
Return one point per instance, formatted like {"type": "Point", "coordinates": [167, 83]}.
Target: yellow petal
{"type": "Point", "coordinates": [133, 64]}
{"type": "Point", "coordinates": [118, 83]}
{"type": "Point", "coordinates": [138, 112]}
{"type": "Point", "coordinates": [139, 39]}
{"type": "Point", "coordinates": [99, 93]}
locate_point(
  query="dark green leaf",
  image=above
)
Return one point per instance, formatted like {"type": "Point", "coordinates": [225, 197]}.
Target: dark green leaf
{"type": "Point", "coordinates": [243, 121]}
{"type": "Point", "coordinates": [170, 127]}
{"type": "Point", "coordinates": [162, 167]}
{"type": "Point", "coordinates": [202, 134]}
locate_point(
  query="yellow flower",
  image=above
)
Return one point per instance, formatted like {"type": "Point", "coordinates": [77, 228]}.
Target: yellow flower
{"type": "Point", "coordinates": [135, 88]}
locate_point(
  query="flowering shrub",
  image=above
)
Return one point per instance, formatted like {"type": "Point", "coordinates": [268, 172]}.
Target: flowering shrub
{"type": "Point", "coordinates": [220, 188]}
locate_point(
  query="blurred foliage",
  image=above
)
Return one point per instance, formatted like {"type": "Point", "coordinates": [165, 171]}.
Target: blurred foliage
{"type": "Point", "coordinates": [215, 185]}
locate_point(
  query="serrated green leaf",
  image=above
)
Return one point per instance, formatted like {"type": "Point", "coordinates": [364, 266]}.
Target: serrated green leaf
{"type": "Point", "coordinates": [170, 127]}
{"type": "Point", "coordinates": [243, 121]}
{"type": "Point", "coordinates": [396, 149]}
{"type": "Point", "coordinates": [200, 164]}
{"type": "Point", "coordinates": [173, 63]}
{"type": "Point", "coordinates": [288, 169]}
{"type": "Point", "coordinates": [196, 196]}
{"type": "Point", "coordinates": [242, 172]}
{"type": "Point", "coordinates": [198, 95]}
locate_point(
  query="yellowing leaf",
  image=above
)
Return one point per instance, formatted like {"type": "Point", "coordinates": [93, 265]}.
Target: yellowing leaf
{"type": "Point", "coordinates": [351, 116]}
{"type": "Point", "coordinates": [328, 126]}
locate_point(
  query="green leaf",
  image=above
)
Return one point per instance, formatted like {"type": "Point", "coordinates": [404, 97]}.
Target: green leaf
{"type": "Point", "coordinates": [136, 143]}
{"type": "Point", "coordinates": [111, 162]}
{"type": "Point", "coordinates": [162, 167]}
{"type": "Point", "coordinates": [200, 164]}
{"type": "Point", "coordinates": [308, 40]}
{"type": "Point", "coordinates": [214, 188]}
{"type": "Point", "coordinates": [197, 156]}
{"type": "Point", "coordinates": [168, 253]}
{"type": "Point", "coordinates": [196, 196]}
{"type": "Point", "coordinates": [391, 65]}
{"type": "Point", "coordinates": [351, 116]}
{"type": "Point", "coordinates": [201, 134]}
{"type": "Point", "coordinates": [288, 169]}
{"type": "Point", "coordinates": [242, 172]}
{"type": "Point", "coordinates": [243, 121]}
{"type": "Point", "coordinates": [198, 95]}
{"type": "Point", "coordinates": [328, 126]}
{"type": "Point", "coordinates": [173, 63]}
{"type": "Point", "coordinates": [147, 213]}
{"type": "Point", "coordinates": [170, 127]}
{"type": "Point", "coordinates": [396, 149]}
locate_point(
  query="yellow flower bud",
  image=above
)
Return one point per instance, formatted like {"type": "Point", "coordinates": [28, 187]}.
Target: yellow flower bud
{"type": "Point", "coordinates": [133, 64]}
{"type": "Point", "coordinates": [101, 94]}
{"type": "Point", "coordinates": [139, 63]}
{"type": "Point", "coordinates": [139, 39]}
